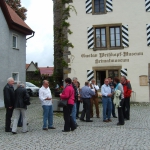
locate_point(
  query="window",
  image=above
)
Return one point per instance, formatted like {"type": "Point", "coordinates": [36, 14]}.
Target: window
{"type": "Point", "coordinates": [15, 41]}
{"type": "Point", "coordinates": [115, 37]}
{"type": "Point", "coordinates": [108, 37]}
{"type": "Point", "coordinates": [15, 76]}
{"type": "Point", "coordinates": [100, 37]}
{"type": "Point", "coordinates": [99, 6]}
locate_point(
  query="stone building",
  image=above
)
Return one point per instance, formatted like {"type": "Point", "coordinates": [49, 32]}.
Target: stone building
{"type": "Point", "coordinates": [110, 38]}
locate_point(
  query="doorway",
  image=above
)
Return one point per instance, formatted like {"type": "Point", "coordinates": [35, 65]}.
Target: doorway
{"type": "Point", "coordinates": [100, 76]}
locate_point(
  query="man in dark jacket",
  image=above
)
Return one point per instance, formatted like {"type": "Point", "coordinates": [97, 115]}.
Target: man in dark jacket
{"type": "Point", "coordinates": [22, 99]}
{"type": "Point", "coordinates": [127, 94]}
{"type": "Point", "coordinates": [9, 98]}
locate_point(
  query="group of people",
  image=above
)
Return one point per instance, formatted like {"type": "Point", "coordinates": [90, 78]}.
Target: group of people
{"type": "Point", "coordinates": [108, 91]}
{"type": "Point", "coordinates": [14, 101]}
{"type": "Point", "coordinates": [89, 96]}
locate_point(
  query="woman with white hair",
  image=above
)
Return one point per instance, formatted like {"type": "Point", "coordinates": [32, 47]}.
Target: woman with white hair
{"type": "Point", "coordinates": [21, 101]}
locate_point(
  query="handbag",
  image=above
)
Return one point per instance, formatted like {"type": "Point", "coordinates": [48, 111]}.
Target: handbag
{"type": "Point", "coordinates": [62, 103]}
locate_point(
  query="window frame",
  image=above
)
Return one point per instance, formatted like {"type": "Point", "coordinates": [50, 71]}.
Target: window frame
{"type": "Point", "coordinates": [115, 37]}
{"type": "Point", "coordinates": [17, 76]}
{"type": "Point", "coordinates": [98, 13]}
{"type": "Point", "coordinates": [100, 38]}
{"type": "Point", "coordinates": [108, 46]}
{"type": "Point", "coordinates": [17, 41]}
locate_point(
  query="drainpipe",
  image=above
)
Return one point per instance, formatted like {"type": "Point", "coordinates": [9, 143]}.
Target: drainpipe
{"type": "Point", "coordinates": [31, 36]}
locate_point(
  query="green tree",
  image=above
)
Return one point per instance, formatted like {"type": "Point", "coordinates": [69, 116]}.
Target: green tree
{"type": "Point", "coordinates": [16, 6]}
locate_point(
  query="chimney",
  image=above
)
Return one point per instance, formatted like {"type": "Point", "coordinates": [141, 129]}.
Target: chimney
{"type": "Point", "coordinates": [36, 64]}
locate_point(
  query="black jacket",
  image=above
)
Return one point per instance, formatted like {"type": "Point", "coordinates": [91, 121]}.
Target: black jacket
{"type": "Point", "coordinates": [20, 95]}
{"type": "Point", "coordinates": [9, 96]}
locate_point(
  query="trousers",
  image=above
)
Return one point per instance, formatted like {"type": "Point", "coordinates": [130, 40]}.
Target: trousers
{"type": "Point", "coordinates": [126, 108]}
{"type": "Point", "coordinates": [9, 113]}
{"type": "Point", "coordinates": [69, 122]}
{"type": "Point", "coordinates": [86, 109]}
{"type": "Point", "coordinates": [94, 100]}
{"type": "Point", "coordinates": [17, 112]}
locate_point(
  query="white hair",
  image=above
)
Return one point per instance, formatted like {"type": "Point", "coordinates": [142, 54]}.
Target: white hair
{"type": "Point", "coordinates": [93, 79]}
{"type": "Point", "coordinates": [74, 78]}
{"type": "Point", "coordinates": [10, 79]}
{"type": "Point", "coordinates": [19, 83]}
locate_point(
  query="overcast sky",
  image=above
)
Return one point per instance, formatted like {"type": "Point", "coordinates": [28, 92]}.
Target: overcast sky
{"type": "Point", "coordinates": [40, 19]}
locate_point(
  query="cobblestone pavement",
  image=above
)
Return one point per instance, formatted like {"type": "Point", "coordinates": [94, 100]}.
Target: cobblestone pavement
{"type": "Point", "coordinates": [134, 135]}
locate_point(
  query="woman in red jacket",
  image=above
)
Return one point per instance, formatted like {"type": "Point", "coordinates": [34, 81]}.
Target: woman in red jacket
{"type": "Point", "coordinates": [68, 93]}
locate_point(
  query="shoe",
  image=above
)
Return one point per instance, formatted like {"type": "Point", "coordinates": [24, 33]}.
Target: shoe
{"type": "Point", "coordinates": [118, 124]}
{"type": "Point", "coordinates": [98, 116]}
{"type": "Point", "coordinates": [19, 126]}
{"type": "Point", "coordinates": [73, 129]}
{"type": "Point", "coordinates": [109, 120]}
{"type": "Point", "coordinates": [9, 130]}
{"type": "Point", "coordinates": [82, 119]}
{"type": "Point", "coordinates": [77, 117]}
{"type": "Point", "coordinates": [114, 116]}
{"type": "Point", "coordinates": [65, 131]}
{"type": "Point", "coordinates": [14, 132]}
{"type": "Point", "coordinates": [126, 119]}
{"type": "Point", "coordinates": [89, 120]}
{"type": "Point", "coordinates": [27, 124]}
{"type": "Point", "coordinates": [45, 129]}
{"type": "Point", "coordinates": [105, 121]}
{"type": "Point", "coordinates": [51, 128]}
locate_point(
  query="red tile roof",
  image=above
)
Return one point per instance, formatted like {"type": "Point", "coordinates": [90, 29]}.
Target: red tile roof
{"type": "Point", "coordinates": [27, 65]}
{"type": "Point", "coordinates": [46, 70]}
{"type": "Point", "coordinates": [15, 18]}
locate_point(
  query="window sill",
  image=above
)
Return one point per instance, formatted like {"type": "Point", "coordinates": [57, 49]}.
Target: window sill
{"type": "Point", "coordinates": [15, 48]}
{"type": "Point", "coordinates": [116, 48]}
{"type": "Point", "coordinates": [99, 13]}
{"type": "Point", "coordinates": [110, 48]}
{"type": "Point", "coordinates": [95, 48]}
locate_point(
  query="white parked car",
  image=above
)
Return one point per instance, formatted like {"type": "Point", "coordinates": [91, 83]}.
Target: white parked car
{"type": "Point", "coordinates": [32, 89]}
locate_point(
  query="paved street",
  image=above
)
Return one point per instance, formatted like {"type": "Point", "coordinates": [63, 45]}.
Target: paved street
{"type": "Point", "coordinates": [134, 135]}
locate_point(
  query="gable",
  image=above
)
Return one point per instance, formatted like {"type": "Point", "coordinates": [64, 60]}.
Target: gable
{"type": "Point", "coordinates": [31, 67]}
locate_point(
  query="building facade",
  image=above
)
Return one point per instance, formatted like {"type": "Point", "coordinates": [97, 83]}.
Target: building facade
{"type": "Point", "coordinates": [13, 33]}
{"type": "Point", "coordinates": [110, 38]}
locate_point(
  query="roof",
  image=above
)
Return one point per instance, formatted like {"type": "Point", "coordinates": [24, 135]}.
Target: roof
{"type": "Point", "coordinates": [46, 70]}
{"type": "Point", "coordinates": [27, 65]}
{"type": "Point", "coordinates": [13, 20]}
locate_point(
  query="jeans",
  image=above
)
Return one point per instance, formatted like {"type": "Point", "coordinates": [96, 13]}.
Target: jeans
{"type": "Point", "coordinates": [78, 106]}
{"type": "Point", "coordinates": [20, 120]}
{"type": "Point", "coordinates": [74, 110]}
{"type": "Point", "coordinates": [107, 105]}
{"type": "Point", "coordinates": [17, 112]}
{"type": "Point", "coordinates": [47, 115]}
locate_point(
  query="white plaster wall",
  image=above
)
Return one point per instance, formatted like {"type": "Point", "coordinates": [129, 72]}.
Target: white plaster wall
{"type": "Point", "coordinates": [127, 12]}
